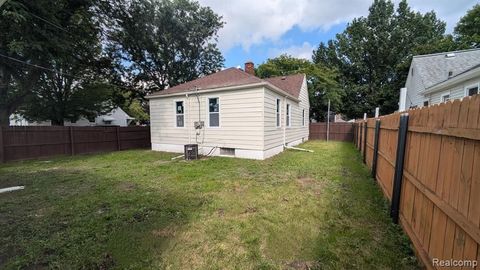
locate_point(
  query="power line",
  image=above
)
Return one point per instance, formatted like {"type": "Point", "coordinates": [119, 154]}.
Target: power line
{"type": "Point", "coordinates": [48, 22]}
{"type": "Point", "coordinates": [36, 66]}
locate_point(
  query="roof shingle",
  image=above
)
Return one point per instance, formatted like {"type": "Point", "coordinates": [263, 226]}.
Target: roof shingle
{"type": "Point", "coordinates": [236, 77]}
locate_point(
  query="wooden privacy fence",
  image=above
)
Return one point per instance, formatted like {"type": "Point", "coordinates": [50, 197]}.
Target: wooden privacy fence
{"type": "Point", "coordinates": [17, 143]}
{"type": "Point", "coordinates": [338, 131]}
{"type": "Point", "coordinates": [427, 163]}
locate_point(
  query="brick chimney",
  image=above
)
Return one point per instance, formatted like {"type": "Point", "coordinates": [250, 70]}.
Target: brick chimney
{"type": "Point", "coordinates": [250, 68]}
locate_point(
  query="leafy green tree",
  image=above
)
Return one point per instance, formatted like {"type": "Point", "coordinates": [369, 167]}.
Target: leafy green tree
{"type": "Point", "coordinates": [159, 44]}
{"type": "Point", "coordinates": [374, 52]}
{"type": "Point", "coordinates": [467, 31]}
{"type": "Point", "coordinates": [322, 81]}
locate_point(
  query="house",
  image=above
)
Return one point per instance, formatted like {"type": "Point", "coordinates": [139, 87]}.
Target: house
{"type": "Point", "coordinates": [439, 77]}
{"type": "Point", "coordinates": [231, 113]}
{"type": "Point", "coordinates": [116, 117]}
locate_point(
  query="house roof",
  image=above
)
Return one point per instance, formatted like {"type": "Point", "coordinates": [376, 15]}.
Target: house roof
{"type": "Point", "coordinates": [235, 77]}
{"type": "Point", "coordinates": [435, 68]}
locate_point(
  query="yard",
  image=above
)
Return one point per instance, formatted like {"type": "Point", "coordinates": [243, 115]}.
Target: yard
{"type": "Point", "coordinates": [140, 210]}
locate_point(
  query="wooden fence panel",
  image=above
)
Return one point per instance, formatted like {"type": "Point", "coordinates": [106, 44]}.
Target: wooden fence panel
{"type": "Point", "coordinates": [19, 143]}
{"type": "Point", "coordinates": [440, 195]}
{"type": "Point", "coordinates": [338, 131]}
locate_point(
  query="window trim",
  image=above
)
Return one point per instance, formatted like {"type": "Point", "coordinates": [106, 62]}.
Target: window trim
{"type": "Point", "coordinates": [175, 113]}
{"type": "Point", "coordinates": [444, 95]}
{"type": "Point", "coordinates": [278, 114]}
{"type": "Point", "coordinates": [208, 111]}
{"type": "Point", "coordinates": [468, 87]}
{"type": "Point", "coordinates": [288, 115]}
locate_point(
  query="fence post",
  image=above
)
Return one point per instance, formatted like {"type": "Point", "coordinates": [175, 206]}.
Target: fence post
{"type": "Point", "coordinates": [117, 130]}
{"type": "Point", "coordinates": [375, 149]}
{"type": "Point", "coordinates": [2, 146]}
{"type": "Point", "coordinates": [365, 143]}
{"type": "Point", "coordinates": [398, 177]}
{"type": "Point", "coordinates": [72, 143]}
{"type": "Point", "coordinates": [360, 129]}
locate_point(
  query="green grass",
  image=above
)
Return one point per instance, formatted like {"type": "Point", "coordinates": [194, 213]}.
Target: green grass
{"type": "Point", "coordinates": [140, 210]}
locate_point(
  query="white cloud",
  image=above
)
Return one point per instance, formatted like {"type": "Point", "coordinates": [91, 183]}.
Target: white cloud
{"type": "Point", "coordinates": [303, 51]}
{"type": "Point", "coordinates": [253, 22]}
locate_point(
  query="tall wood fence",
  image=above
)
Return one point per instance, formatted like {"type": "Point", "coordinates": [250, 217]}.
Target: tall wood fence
{"type": "Point", "coordinates": [427, 163]}
{"type": "Point", "coordinates": [17, 143]}
{"type": "Point", "coordinates": [337, 132]}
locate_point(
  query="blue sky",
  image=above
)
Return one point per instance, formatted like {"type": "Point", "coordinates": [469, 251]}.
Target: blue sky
{"type": "Point", "coordinates": [260, 29]}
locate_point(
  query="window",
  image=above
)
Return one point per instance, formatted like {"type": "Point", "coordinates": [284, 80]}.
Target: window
{"type": "Point", "coordinates": [471, 90]}
{"type": "Point", "coordinates": [179, 114]}
{"type": "Point", "coordinates": [303, 117]}
{"type": "Point", "coordinates": [213, 112]}
{"type": "Point", "coordinates": [288, 115]}
{"type": "Point", "coordinates": [445, 97]}
{"type": "Point", "coordinates": [278, 112]}
{"type": "Point", "coordinates": [227, 151]}
{"type": "Point", "coordinates": [425, 103]}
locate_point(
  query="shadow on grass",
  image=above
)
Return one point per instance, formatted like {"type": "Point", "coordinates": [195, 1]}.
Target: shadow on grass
{"type": "Point", "coordinates": [76, 218]}
{"type": "Point", "coordinates": [357, 232]}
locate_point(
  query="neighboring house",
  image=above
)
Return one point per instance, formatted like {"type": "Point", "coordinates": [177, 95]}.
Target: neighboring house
{"type": "Point", "coordinates": [116, 117]}
{"type": "Point", "coordinates": [242, 115]}
{"type": "Point", "coordinates": [439, 77]}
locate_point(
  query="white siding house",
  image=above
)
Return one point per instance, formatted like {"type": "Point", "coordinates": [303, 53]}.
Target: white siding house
{"type": "Point", "coordinates": [436, 78]}
{"type": "Point", "coordinates": [243, 116]}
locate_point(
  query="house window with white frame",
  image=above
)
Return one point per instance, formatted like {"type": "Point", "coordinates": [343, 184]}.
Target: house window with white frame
{"type": "Point", "coordinates": [288, 115]}
{"type": "Point", "coordinates": [445, 97]}
{"type": "Point", "coordinates": [471, 90]}
{"type": "Point", "coordinates": [278, 113]}
{"type": "Point", "coordinates": [179, 114]}
{"type": "Point", "coordinates": [213, 112]}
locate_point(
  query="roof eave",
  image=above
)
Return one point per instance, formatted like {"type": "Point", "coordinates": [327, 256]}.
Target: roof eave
{"type": "Point", "coordinates": [217, 89]}
{"type": "Point", "coordinates": [442, 85]}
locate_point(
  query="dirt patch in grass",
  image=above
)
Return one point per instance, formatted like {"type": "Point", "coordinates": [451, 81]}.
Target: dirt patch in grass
{"type": "Point", "coordinates": [127, 186]}
{"type": "Point", "coordinates": [308, 183]}
{"type": "Point", "coordinates": [300, 265]}
{"type": "Point", "coordinates": [169, 231]}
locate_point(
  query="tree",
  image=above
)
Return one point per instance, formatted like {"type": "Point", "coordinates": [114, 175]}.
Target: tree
{"type": "Point", "coordinates": [374, 52]}
{"type": "Point", "coordinates": [59, 48]}
{"type": "Point", "coordinates": [159, 44]}
{"type": "Point", "coordinates": [322, 81]}
{"type": "Point", "coordinates": [467, 31]}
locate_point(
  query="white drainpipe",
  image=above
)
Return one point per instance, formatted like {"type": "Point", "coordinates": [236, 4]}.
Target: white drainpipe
{"type": "Point", "coordinates": [285, 122]}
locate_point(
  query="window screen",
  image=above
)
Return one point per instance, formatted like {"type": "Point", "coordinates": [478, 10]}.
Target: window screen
{"type": "Point", "coordinates": [278, 112]}
{"type": "Point", "coordinates": [472, 91]}
{"type": "Point", "coordinates": [179, 114]}
{"type": "Point", "coordinates": [213, 112]}
{"type": "Point", "coordinates": [445, 98]}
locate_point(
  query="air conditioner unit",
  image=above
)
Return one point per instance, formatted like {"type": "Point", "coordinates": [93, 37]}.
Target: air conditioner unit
{"type": "Point", "coordinates": [191, 151]}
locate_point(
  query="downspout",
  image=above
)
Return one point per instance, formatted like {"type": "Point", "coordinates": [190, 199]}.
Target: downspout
{"type": "Point", "coordinates": [188, 120]}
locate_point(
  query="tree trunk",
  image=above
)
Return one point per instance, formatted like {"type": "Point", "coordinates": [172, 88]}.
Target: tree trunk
{"type": "Point", "coordinates": [4, 117]}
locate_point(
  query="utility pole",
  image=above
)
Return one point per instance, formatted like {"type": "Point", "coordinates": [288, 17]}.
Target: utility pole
{"type": "Point", "coordinates": [328, 121]}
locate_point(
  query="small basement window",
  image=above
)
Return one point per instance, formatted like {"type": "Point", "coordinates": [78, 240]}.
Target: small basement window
{"type": "Point", "coordinates": [213, 112]}
{"type": "Point", "coordinates": [471, 90]}
{"type": "Point", "coordinates": [445, 97]}
{"type": "Point", "coordinates": [288, 115]}
{"type": "Point", "coordinates": [179, 114]}
{"type": "Point", "coordinates": [227, 151]}
{"type": "Point", "coordinates": [425, 103]}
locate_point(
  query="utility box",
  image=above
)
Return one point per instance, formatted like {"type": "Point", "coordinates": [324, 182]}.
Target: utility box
{"type": "Point", "coordinates": [191, 151]}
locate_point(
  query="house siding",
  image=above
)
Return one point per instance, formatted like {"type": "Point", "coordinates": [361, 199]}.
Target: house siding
{"type": "Point", "coordinates": [241, 120]}
{"type": "Point", "coordinates": [456, 91]}
{"type": "Point", "coordinates": [414, 86]}
{"type": "Point", "coordinates": [274, 136]}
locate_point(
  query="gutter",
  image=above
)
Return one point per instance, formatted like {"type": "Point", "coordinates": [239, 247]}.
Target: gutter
{"type": "Point", "coordinates": [236, 87]}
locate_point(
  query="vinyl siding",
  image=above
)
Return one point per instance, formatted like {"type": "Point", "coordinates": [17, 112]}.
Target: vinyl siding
{"type": "Point", "coordinates": [456, 91]}
{"type": "Point", "coordinates": [241, 120]}
{"type": "Point", "coordinates": [414, 86]}
{"type": "Point", "coordinates": [273, 134]}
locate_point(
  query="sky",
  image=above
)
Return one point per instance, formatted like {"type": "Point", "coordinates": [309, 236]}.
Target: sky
{"type": "Point", "coordinates": [256, 30]}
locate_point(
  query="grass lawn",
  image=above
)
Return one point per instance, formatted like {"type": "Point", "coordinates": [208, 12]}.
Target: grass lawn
{"type": "Point", "coordinates": [140, 210]}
